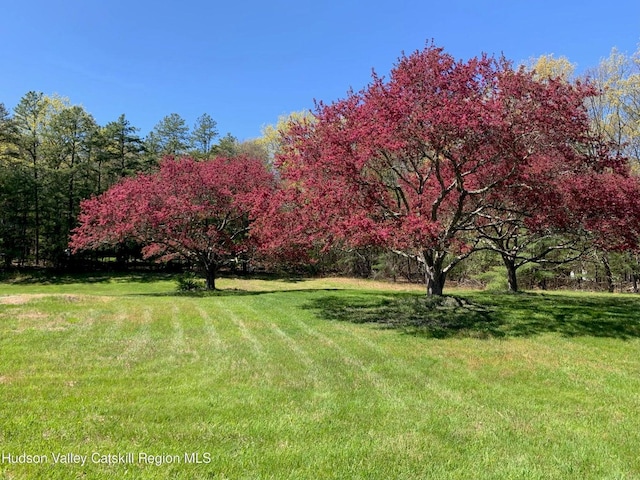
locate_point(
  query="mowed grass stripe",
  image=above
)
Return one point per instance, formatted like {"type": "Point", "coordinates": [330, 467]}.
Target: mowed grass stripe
{"type": "Point", "coordinates": [351, 392]}
{"type": "Point", "coordinates": [107, 340]}
{"type": "Point", "coordinates": [211, 330]}
{"type": "Point", "coordinates": [178, 340]}
{"type": "Point", "coordinates": [407, 374]}
{"type": "Point", "coordinates": [227, 311]}
{"type": "Point", "coordinates": [300, 354]}
{"type": "Point", "coordinates": [305, 329]}
{"type": "Point", "coordinates": [136, 337]}
{"type": "Point", "coordinates": [187, 332]}
{"type": "Point", "coordinates": [288, 347]}
{"type": "Point", "coordinates": [366, 349]}
{"type": "Point", "coordinates": [276, 359]}
{"type": "Point", "coordinates": [380, 384]}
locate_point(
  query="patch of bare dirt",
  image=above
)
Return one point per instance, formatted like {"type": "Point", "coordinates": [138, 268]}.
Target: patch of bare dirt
{"type": "Point", "coordinates": [18, 299]}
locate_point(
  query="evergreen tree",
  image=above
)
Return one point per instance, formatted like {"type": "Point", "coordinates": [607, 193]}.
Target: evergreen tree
{"type": "Point", "coordinates": [227, 146]}
{"type": "Point", "coordinates": [122, 149]}
{"type": "Point", "coordinates": [171, 135]}
{"type": "Point", "coordinates": [32, 116]}
{"type": "Point", "coordinates": [204, 132]}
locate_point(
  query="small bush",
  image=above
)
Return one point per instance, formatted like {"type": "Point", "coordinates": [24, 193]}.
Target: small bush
{"type": "Point", "coordinates": [189, 283]}
{"type": "Point", "coordinates": [494, 279]}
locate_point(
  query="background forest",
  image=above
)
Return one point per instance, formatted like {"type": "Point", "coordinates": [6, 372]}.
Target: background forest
{"type": "Point", "coordinates": [53, 155]}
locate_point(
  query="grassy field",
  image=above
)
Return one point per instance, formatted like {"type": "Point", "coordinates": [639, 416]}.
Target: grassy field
{"type": "Point", "coordinates": [318, 379]}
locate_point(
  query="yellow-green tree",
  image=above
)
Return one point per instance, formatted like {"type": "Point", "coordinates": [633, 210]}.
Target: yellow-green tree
{"type": "Point", "coordinates": [615, 113]}
{"type": "Point", "coordinates": [32, 118]}
{"type": "Point", "coordinates": [254, 148]}
{"type": "Point", "coordinates": [615, 116]}
{"type": "Point", "coordinates": [548, 66]}
{"type": "Point", "coordinates": [272, 134]}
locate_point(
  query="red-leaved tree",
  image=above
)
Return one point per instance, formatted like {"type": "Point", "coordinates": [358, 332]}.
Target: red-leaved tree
{"type": "Point", "coordinates": [198, 211]}
{"type": "Point", "coordinates": [418, 162]}
{"type": "Point", "coordinates": [558, 213]}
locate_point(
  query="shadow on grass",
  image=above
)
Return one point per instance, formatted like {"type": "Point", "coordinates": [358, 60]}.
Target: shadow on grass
{"type": "Point", "coordinates": [47, 277]}
{"type": "Point", "coordinates": [229, 292]}
{"type": "Point", "coordinates": [43, 276]}
{"type": "Point", "coordinates": [487, 315]}
{"type": "Point", "coordinates": [595, 315]}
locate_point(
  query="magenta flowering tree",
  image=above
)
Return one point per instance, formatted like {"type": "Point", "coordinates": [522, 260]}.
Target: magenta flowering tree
{"type": "Point", "coordinates": [198, 211]}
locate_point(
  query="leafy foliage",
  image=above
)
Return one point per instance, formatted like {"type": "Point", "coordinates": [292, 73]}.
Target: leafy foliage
{"type": "Point", "coordinates": [198, 211]}
{"type": "Point", "coordinates": [422, 161]}
{"type": "Point", "coordinates": [187, 283]}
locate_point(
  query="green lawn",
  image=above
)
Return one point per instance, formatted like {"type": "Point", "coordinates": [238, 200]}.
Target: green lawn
{"type": "Point", "coordinates": [315, 379]}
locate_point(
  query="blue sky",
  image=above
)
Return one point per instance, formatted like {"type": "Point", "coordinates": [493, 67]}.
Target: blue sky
{"type": "Point", "coordinates": [247, 62]}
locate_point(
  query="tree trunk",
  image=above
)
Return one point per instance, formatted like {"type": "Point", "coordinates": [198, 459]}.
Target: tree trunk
{"type": "Point", "coordinates": [210, 277]}
{"type": "Point", "coordinates": [70, 204]}
{"type": "Point", "coordinates": [36, 207]}
{"type": "Point", "coordinates": [607, 271]}
{"type": "Point", "coordinates": [433, 273]}
{"type": "Point", "coordinates": [635, 277]}
{"type": "Point", "coordinates": [512, 278]}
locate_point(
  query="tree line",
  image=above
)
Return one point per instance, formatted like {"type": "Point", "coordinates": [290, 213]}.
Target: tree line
{"type": "Point", "coordinates": [437, 172]}
{"type": "Point", "coordinates": [54, 154]}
